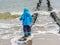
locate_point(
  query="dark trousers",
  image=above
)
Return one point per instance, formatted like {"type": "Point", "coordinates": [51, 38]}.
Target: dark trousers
{"type": "Point", "coordinates": [27, 30]}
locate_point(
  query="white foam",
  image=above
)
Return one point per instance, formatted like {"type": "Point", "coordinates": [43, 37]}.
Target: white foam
{"type": "Point", "coordinates": [15, 41]}
{"type": "Point", "coordinates": [8, 36]}
{"type": "Point", "coordinates": [4, 25]}
{"type": "Point", "coordinates": [42, 12]}
{"type": "Point", "coordinates": [14, 13]}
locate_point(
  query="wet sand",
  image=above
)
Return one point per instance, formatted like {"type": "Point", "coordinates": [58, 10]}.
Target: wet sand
{"type": "Point", "coordinates": [41, 39]}
{"type": "Point", "coordinates": [46, 39]}
{"type": "Point", "coordinates": [5, 42]}
{"type": "Point", "coordinates": [41, 24]}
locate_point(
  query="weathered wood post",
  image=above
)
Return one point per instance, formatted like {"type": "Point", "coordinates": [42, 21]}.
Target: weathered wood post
{"type": "Point", "coordinates": [38, 5]}
{"type": "Point", "coordinates": [49, 5]}
{"type": "Point", "coordinates": [56, 19]}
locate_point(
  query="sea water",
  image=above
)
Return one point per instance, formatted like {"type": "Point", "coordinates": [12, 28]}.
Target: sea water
{"type": "Point", "coordinates": [18, 5]}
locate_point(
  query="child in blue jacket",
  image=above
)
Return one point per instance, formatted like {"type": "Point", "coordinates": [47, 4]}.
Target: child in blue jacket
{"type": "Point", "coordinates": [26, 19]}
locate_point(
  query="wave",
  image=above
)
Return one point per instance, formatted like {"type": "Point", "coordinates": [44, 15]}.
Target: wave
{"type": "Point", "coordinates": [13, 13]}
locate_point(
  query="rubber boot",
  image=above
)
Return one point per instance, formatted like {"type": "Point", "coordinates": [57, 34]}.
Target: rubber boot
{"type": "Point", "coordinates": [29, 34]}
{"type": "Point", "coordinates": [23, 38]}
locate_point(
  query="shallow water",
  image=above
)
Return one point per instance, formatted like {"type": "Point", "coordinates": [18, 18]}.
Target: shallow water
{"type": "Point", "coordinates": [13, 28]}
{"type": "Point", "coordinates": [18, 5]}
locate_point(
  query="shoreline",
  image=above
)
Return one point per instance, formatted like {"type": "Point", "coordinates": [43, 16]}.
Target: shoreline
{"type": "Point", "coordinates": [20, 12]}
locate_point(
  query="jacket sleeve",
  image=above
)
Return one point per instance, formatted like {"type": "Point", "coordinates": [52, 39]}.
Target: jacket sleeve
{"type": "Point", "coordinates": [30, 17]}
{"type": "Point", "coordinates": [22, 17]}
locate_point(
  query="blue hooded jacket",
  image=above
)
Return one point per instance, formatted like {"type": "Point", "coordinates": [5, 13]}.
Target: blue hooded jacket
{"type": "Point", "coordinates": [26, 17]}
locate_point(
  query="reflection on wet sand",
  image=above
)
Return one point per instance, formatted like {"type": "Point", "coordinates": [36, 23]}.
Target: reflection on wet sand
{"type": "Point", "coordinates": [29, 42]}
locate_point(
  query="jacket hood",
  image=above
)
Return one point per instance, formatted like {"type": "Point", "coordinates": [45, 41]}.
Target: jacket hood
{"type": "Point", "coordinates": [26, 9]}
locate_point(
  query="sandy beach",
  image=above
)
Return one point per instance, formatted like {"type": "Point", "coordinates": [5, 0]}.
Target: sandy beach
{"type": "Point", "coordinates": [45, 31]}
{"type": "Point", "coordinates": [41, 39]}
{"type": "Point", "coordinates": [5, 42]}
{"type": "Point", "coordinates": [46, 39]}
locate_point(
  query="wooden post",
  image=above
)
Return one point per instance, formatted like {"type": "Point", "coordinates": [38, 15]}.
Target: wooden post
{"type": "Point", "coordinates": [40, 1]}
{"type": "Point", "coordinates": [56, 19]}
{"type": "Point", "coordinates": [49, 5]}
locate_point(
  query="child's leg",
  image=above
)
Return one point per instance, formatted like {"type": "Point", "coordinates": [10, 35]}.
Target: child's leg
{"type": "Point", "coordinates": [25, 31]}
{"type": "Point", "coordinates": [25, 34]}
{"type": "Point", "coordinates": [29, 30]}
